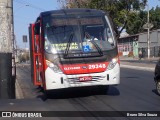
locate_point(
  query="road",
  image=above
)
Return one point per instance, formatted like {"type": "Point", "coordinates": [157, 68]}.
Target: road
{"type": "Point", "coordinates": [136, 92]}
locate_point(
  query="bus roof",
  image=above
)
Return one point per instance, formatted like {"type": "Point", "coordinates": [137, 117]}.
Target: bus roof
{"type": "Point", "coordinates": [77, 11]}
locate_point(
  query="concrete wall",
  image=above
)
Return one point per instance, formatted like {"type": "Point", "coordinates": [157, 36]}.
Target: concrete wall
{"type": "Point", "coordinates": [154, 42]}
{"type": "Point", "coordinates": [139, 42]}
{"type": "Point", "coordinates": [154, 39]}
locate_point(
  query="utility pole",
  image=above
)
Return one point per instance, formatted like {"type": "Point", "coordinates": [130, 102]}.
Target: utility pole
{"type": "Point", "coordinates": [7, 82]}
{"type": "Point", "coordinates": [148, 35]}
{"type": "Point", "coordinates": [148, 26]}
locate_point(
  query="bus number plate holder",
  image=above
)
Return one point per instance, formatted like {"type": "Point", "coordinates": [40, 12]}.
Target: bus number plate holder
{"type": "Point", "coordinates": [85, 78]}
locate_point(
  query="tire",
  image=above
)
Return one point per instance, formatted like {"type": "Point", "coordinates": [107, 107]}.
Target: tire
{"type": "Point", "coordinates": [48, 93]}
{"type": "Point", "coordinates": [158, 87]}
{"type": "Point", "coordinates": [104, 89]}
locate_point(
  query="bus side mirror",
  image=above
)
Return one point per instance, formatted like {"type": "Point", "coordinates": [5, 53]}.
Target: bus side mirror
{"type": "Point", "coordinates": [37, 29]}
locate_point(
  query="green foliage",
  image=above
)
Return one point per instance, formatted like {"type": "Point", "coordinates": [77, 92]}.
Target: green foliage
{"type": "Point", "coordinates": [136, 26]}
{"type": "Point", "coordinates": [124, 13]}
{"type": "Point", "coordinates": [155, 17]}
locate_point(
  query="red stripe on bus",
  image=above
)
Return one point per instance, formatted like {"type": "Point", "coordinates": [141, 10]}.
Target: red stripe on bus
{"type": "Point", "coordinates": [84, 68]}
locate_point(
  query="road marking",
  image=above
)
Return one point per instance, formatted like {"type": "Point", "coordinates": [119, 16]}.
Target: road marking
{"type": "Point", "coordinates": [137, 67]}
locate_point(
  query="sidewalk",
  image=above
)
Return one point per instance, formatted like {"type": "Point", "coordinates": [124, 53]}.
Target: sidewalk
{"type": "Point", "coordinates": [135, 63]}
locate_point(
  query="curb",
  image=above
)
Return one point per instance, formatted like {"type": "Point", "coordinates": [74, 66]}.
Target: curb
{"type": "Point", "coordinates": [137, 67]}
{"type": "Point", "coordinates": [19, 94]}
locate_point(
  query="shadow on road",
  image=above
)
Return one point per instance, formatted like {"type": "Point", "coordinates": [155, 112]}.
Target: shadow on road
{"type": "Point", "coordinates": [113, 91]}
{"type": "Point", "coordinates": [155, 92]}
{"type": "Point", "coordinates": [79, 92]}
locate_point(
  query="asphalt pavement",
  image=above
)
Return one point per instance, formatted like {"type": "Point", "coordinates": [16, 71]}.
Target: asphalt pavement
{"type": "Point", "coordinates": [125, 62]}
{"type": "Point", "coordinates": [135, 63]}
{"type": "Point", "coordinates": [141, 95]}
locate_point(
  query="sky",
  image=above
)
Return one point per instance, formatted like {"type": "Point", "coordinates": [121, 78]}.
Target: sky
{"type": "Point", "coordinates": [26, 12]}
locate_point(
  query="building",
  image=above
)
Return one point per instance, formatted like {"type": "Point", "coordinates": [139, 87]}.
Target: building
{"type": "Point", "coordinates": [131, 45]}
{"type": "Point", "coordinates": [128, 45]}
{"type": "Point", "coordinates": [154, 43]}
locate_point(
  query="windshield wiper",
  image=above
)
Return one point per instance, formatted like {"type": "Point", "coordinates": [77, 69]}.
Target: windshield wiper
{"type": "Point", "coordinates": [97, 47]}
{"type": "Point", "coordinates": [94, 43]}
{"type": "Point", "coordinates": [68, 46]}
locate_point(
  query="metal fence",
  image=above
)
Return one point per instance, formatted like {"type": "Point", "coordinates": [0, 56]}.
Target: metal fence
{"type": "Point", "coordinates": [154, 51]}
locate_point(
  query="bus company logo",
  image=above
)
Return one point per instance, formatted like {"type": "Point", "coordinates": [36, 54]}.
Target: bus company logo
{"type": "Point", "coordinates": [72, 68]}
{"type": "Point", "coordinates": [84, 67]}
{"type": "Point", "coordinates": [6, 114]}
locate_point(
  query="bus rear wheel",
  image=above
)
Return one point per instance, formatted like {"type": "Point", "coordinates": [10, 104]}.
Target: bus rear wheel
{"type": "Point", "coordinates": [48, 93]}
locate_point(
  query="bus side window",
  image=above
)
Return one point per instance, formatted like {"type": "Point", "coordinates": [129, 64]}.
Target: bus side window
{"type": "Point", "coordinates": [37, 28]}
{"type": "Point", "coordinates": [110, 39]}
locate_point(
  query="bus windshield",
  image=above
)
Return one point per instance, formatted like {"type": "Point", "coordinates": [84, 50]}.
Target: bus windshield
{"type": "Point", "coordinates": [87, 34]}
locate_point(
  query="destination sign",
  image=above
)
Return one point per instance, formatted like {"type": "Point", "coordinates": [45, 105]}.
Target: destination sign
{"type": "Point", "coordinates": [73, 21]}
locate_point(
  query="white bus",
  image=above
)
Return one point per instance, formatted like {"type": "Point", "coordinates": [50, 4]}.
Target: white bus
{"type": "Point", "coordinates": [73, 48]}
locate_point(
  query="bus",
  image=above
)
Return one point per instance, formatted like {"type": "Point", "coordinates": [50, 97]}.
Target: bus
{"type": "Point", "coordinates": [73, 48]}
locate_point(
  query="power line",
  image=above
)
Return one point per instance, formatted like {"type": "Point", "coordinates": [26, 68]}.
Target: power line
{"type": "Point", "coordinates": [30, 5]}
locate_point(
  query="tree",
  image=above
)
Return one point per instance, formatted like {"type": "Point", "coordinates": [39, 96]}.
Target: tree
{"type": "Point", "coordinates": [135, 24]}
{"type": "Point", "coordinates": [74, 3]}
{"type": "Point", "coordinates": [155, 17]}
{"type": "Point", "coordinates": [122, 12]}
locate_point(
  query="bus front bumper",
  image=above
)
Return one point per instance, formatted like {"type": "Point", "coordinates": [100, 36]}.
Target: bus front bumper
{"type": "Point", "coordinates": [59, 80]}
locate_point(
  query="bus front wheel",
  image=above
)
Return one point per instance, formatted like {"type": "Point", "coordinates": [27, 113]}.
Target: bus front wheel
{"type": "Point", "coordinates": [104, 89]}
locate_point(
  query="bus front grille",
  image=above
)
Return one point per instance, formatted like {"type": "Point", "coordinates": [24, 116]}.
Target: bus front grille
{"type": "Point", "coordinates": [94, 79]}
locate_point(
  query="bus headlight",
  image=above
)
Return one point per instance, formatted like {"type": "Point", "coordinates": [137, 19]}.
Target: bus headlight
{"type": "Point", "coordinates": [54, 67]}
{"type": "Point", "coordinates": [113, 63]}
{"type": "Point", "coordinates": [49, 48]}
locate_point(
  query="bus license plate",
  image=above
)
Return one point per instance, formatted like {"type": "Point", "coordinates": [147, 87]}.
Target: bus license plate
{"type": "Point", "coordinates": [85, 78]}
